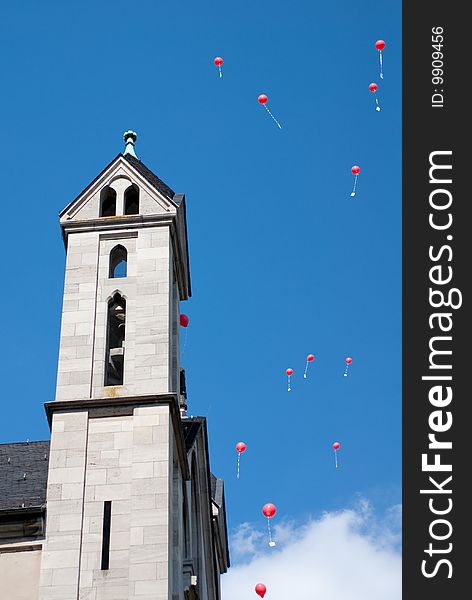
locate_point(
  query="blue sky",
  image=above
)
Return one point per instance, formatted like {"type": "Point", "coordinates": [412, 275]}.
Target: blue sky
{"type": "Point", "coordinates": [283, 261]}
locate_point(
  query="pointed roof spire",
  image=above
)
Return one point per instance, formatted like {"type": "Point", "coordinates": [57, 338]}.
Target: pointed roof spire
{"type": "Point", "coordinates": [130, 139]}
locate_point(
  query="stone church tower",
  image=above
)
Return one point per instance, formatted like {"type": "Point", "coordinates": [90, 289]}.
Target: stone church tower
{"type": "Point", "coordinates": [131, 510]}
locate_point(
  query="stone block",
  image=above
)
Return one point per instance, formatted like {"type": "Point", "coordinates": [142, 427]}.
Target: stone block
{"type": "Point", "coordinates": [120, 491]}
{"type": "Point", "coordinates": [54, 492]}
{"type": "Point", "coordinates": [75, 457]}
{"type": "Point", "coordinates": [156, 534]}
{"type": "Point", "coordinates": [123, 440]}
{"type": "Point", "coordinates": [72, 522]}
{"type": "Point", "coordinates": [143, 470]}
{"type": "Point", "coordinates": [119, 560]}
{"type": "Point", "coordinates": [64, 440]}
{"type": "Point", "coordinates": [66, 475]}
{"type": "Point", "coordinates": [64, 576]}
{"type": "Point", "coordinates": [146, 349]}
{"type": "Point", "coordinates": [145, 420]}
{"type": "Point", "coordinates": [142, 435]}
{"type": "Point", "coordinates": [106, 425]}
{"type": "Point", "coordinates": [153, 589]}
{"type": "Point", "coordinates": [80, 377]}
{"type": "Point", "coordinates": [143, 572]}
{"type": "Point", "coordinates": [96, 476]}
{"type": "Point", "coordinates": [72, 392]}
{"type": "Point", "coordinates": [72, 491]}
{"type": "Point", "coordinates": [150, 453]}
{"type": "Point", "coordinates": [161, 468]}
{"type": "Point", "coordinates": [149, 518]}
{"type": "Point", "coordinates": [58, 592]}
{"type": "Point", "coordinates": [136, 536]}
{"type": "Point", "coordinates": [122, 507]}
{"type": "Point", "coordinates": [147, 553]}
{"type": "Point", "coordinates": [62, 507]}
{"type": "Point", "coordinates": [57, 559]}
{"type": "Point", "coordinates": [85, 329]}
{"type": "Point", "coordinates": [119, 475]}
{"type": "Point", "coordinates": [119, 540]}
{"type": "Point", "coordinates": [126, 457]}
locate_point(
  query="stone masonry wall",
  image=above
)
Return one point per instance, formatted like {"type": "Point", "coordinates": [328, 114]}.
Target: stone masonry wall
{"type": "Point", "coordinates": [123, 459]}
{"type": "Point", "coordinates": [148, 291]}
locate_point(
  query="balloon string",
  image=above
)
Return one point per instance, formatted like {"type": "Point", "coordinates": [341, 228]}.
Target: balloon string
{"type": "Point", "coordinates": [278, 124]}
{"type": "Point", "coordinates": [353, 193]}
{"type": "Point", "coordinates": [270, 534]}
{"type": "Point", "coordinates": [289, 387]}
{"type": "Point", "coordinates": [221, 74]}
{"type": "Point", "coordinates": [346, 370]}
{"type": "Point", "coordinates": [336, 458]}
{"type": "Point", "coordinates": [306, 370]}
{"type": "Point", "coordinates": [185, 343]}
{"type": "Point", "coordinates": [239, 456]}
{"type": "Point", "coordinates": [377, 102]}
{"type": "Point", "coordinates": [381, 65]}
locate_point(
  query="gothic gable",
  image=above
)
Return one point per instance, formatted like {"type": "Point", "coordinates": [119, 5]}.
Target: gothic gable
{"type": "Point", "coordinates": [125, 187]}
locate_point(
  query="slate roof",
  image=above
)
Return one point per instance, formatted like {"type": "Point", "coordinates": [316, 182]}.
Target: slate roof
{"type": "Point", "coordinates": [27, 458]}
{"type": "Point", "coordinates": [149, 176]}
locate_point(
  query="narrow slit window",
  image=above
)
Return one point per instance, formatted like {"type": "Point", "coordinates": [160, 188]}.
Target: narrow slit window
{"type": "Point", "coordinates": [115, 348]}
{"type": "Point", "coordinates": [132, 200]}
{"type": "Point", "coordinates": [108, 202]}
{"type": "Point", "coordinates": [118, 262]}
{"type": "Point", "coordinates": [106, 535]}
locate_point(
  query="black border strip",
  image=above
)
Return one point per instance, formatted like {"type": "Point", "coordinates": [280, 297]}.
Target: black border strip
{"type": "Point", "coordinates": [436, 117]}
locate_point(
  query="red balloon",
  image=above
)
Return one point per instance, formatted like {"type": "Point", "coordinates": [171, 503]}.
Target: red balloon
{"type": "Point", "coordinates": [261, 590]}
{"type": "Point", "coordinates": [184, 320]}
{"type": "Point", "coordinates": [348, 360]}
{"type": "Point", "coordinates": [269, 510]}
{"type": "Point", "coordinates": [310, 357]}
{"type": "Point", "coordinates": [380, 45]}
{"type": "Point", "coordinates": [218, 61]}
{"type": "Point", "coordinates": [241, 447]}
{"type": "Point", "coordinates": [289, 371]}
{"type": "Point", "coordinates": [373, 87]}
{"type": "Point", "coordinates": [336, 445]}
{"type": "Point", "coordinates": [262, 99]}
{"type": "Point", "coordinates": [356, 170]}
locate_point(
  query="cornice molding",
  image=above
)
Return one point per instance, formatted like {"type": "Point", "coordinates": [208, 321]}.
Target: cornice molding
{"type": "Point", "coordinates": [103, 407]}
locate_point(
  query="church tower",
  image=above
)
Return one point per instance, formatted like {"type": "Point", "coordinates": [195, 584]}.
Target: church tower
{"type": "Point", "coordinates": [132, 510]}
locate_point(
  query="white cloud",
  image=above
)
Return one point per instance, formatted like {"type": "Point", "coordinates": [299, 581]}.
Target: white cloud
{"type": "Point", "coordinates": [347, 555]}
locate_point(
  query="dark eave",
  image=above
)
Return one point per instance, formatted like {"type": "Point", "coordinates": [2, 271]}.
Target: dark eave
{"type": "Point", "coordinates": [150, 177]}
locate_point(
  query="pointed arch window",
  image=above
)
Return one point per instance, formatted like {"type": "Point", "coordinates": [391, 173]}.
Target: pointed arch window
{"type": "Point", "coordinates": [131, 200]}
{"type": "Point", "coordinates": [108, 202]}
{"type": "Point", "coordinates": [115, 350]}
{"type": "Point", "coordinates": [118, 262]}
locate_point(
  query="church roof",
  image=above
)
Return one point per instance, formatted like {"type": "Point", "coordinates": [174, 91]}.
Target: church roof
{"type": "Point", "coordinates": [149, 176]}
{"type": "Point", "coordinates": [23, 475]}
